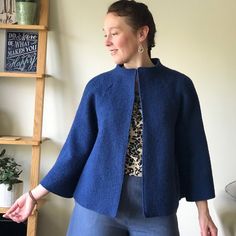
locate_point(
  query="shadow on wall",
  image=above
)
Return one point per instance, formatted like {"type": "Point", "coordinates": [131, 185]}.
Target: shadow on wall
{"type": "Point", "coordinates": [55, 220]}
{"type": "Point", "coordinates": [54, 215]}
{"type": "Point", "coordinates": [6, 123]}
{"type": "Point", "coordinates": [225, 206]}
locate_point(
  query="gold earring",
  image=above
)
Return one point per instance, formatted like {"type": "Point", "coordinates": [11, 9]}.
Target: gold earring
{"type": "Point", "coordinates": [140, 49]}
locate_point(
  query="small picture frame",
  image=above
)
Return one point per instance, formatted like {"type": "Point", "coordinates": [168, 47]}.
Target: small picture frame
{"type": "Point", "coordinates": [21, 51]}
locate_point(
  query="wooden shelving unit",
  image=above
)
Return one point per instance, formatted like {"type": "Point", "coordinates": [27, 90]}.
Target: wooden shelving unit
{"type": "Point", "coordinates": [20, 75]}
{"type": "Point", "coordinates": [3, 210]}
{"type": "Point", "coordinates": [19, 140]}
{"type": "Point", "coordinates": [36, 139]}
{"type": "Point", "coordinates": [23, 27]}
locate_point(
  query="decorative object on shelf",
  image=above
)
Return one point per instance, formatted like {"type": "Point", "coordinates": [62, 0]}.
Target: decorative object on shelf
{"type": "Point", "coordinates": [21, 51]}
{"type": "Point", "coordinates": [26, 12]}
{"type": "Point", "coordinates": [11, 187]}
{"type": "Point", "coordinates": [230, 189]}
{"type": "Point", "coordinates": [7, 12]}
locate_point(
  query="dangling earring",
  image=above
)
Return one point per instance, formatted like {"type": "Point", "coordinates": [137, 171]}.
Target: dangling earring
{"type": "Point", "coordinates": [140, 49]}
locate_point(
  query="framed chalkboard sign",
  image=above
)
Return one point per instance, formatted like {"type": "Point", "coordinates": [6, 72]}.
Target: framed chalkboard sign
{"type": "Point", "coordinates": [21, 51]}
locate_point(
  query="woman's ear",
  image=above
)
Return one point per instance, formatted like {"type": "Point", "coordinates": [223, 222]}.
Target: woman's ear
{"type": "Point", "coordinates": [143, 33]}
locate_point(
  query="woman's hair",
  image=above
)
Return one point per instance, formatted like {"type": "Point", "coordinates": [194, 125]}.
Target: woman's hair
{"type": "Point", "coordinates": [137, 15]}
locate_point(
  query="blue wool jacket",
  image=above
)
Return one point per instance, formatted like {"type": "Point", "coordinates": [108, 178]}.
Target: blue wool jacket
{"type": "Point", "coordinates": [176, 160]}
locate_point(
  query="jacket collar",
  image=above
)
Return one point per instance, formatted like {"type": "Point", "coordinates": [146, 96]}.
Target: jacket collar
{"type": "Point", "coordinates": [127, 72]}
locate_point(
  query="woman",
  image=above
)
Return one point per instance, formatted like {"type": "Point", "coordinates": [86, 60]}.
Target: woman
{"type": "Point", "coordinates": [137, 144]}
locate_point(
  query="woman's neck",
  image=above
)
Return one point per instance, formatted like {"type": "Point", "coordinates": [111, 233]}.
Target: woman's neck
{"type": "Point", "coordinates": [144, 61]}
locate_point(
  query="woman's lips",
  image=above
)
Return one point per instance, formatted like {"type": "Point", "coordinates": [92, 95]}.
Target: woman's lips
{"type": "Point", "coordinates": [113, 51]}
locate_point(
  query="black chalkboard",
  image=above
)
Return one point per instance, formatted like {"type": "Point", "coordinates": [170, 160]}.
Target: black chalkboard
{"type": "Point", "coordinates": [21, 51]}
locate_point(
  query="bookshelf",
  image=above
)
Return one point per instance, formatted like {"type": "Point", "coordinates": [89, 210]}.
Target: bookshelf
{"type": "Point", "coordinates": [34, 141]}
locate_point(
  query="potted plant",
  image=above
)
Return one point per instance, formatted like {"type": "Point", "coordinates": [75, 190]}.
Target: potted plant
{"type": "Point", "coordinates": [11, 187]}
{"type": "Point", "coordinates": [26, 11]}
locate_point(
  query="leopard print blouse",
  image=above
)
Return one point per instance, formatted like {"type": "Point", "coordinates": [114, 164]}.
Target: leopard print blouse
{"type": "Point", "coordinates": [133, 164]}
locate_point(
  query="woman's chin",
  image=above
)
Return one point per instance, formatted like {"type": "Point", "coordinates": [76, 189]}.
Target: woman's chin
{"type": "Point", "coordinates": [118, 61]}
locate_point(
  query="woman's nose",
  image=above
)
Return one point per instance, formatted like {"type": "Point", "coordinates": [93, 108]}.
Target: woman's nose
{"type": "Point", "coordinates": [108, 41]}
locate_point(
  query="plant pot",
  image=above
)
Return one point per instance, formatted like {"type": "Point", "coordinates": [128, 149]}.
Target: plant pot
{"type": "Point", "coordinates": [7, 198]}
{"type": "Point", "coordinates": [26, 13]}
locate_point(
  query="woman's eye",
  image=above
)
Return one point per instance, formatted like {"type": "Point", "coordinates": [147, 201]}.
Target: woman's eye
{"type": "Point", "coordinates": [111, 34]}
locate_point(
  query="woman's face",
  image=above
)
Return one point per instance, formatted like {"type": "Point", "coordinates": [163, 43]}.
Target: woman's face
{"type": "Point", "coordinates": [120, 39]}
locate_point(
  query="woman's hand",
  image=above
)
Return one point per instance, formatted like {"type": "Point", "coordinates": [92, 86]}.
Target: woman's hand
{"type": "Point", "coordinates": [23, 206]}
{"type": "Point", "coordinates": [21, 209]}
{"type": "Point", "coordinates": [207, 225]}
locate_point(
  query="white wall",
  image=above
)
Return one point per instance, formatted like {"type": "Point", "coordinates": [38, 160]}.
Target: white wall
{"type": "Point", "coordinates": [195, 37]}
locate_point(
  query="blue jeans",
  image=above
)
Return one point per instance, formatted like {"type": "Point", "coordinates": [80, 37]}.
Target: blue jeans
{"type": "Point", "coordinates": [129, 221]}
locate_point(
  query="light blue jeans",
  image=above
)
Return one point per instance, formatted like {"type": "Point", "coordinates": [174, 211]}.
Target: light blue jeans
{"type": "Point", "coordinates": [129, 221]}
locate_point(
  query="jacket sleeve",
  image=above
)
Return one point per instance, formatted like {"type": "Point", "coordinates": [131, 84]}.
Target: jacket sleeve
{"type": "Point", "coordinates": [196, 181]}
{"type": "Point", "coordinates": [65, 173]}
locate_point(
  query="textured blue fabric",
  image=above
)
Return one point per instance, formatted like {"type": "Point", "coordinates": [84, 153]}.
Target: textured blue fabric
{"type": "Point", "coordinates": [129, 221]}
{"type": "Point", "coordinates": [176, 160]}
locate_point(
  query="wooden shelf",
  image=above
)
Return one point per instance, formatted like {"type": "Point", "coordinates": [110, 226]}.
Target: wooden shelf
{"type": "Point", "coordinates": [36, 139]}
{"type": "Point", "coordinates": [20, 75]}
{"type": "Point", "coordinates": [20, 140]}
{"type": "Point", "coordinates": [3, 210]}
{"type": "Point", "coordinates": [23, 27]}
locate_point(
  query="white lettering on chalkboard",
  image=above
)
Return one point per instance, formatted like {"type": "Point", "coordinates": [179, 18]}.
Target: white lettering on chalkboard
{"type": "Point", "coordinates": [21, 51]}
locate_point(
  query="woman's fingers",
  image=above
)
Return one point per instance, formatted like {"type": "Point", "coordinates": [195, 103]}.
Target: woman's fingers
{"type": "Point", "coordinates": [16, 210]}
{"type": "Point", "coordinates": [11, 210]}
